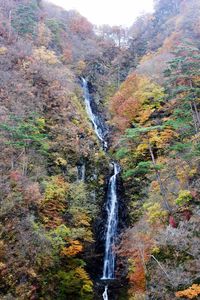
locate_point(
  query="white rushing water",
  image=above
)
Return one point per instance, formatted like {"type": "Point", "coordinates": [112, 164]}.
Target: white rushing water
{"type": "Point", "coordinates": [105, 293]}
{"type": "Point", "coordinates": [112, 203]}
{"type": "Point", "coordinates": [97, 128]}
{"type": "Point", "coordinates": [112, 211]}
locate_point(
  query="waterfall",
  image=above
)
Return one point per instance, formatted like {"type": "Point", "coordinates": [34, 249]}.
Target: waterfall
{"type": "Point", "coordinates": [112, 201]}
{"type": "Point", "coordinates": [81, 172]}
{"type": "Point", "coordinates": [98, 128]}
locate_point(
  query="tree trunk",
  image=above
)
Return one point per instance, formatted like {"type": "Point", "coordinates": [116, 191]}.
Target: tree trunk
{"type": "Point", "coordinates": [10, 26]}
{"type": "Point", "coordinates": [161, 267]}
{"type": "Point", "coordinates": [25, 163]}
{"type": "Point", "coordinates": [194, 118]}
{"type": "Point", "coordinates": [195, 107]}
{"type": "Point", "coordinates": [118, 76]}
{"type": "Point", "coordinates": [197, 113]}
{"type": "Point", "coordinates": [162, 189]}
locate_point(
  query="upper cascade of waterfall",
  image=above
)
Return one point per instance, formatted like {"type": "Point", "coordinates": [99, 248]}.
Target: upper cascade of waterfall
{"type": "Point", "coordinates": [112, 222]}
{"type": "Point", "coordinates": [99, 128]}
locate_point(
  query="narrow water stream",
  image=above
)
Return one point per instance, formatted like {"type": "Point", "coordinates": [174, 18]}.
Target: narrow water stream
{"type": "Point", "coordinates": [105, 293]}
{"type": "Point", "coordinates": [81, 172]}
{"type": "Point", "coordinates": [112, 201]}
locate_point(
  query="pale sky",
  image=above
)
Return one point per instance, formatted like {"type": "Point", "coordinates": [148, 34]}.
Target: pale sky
{"type": "Point", "coordinates": [112, 12]}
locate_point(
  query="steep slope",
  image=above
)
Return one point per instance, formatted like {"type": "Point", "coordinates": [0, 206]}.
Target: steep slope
{"type": "Point", "coordinates": [48, 202]}
{"type": "Point", "coordinates": [155, 114]}
{"type": "Point", "coordinates": [145, 83]}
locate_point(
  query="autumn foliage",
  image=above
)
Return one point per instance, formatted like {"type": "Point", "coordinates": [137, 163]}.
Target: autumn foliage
{"type": "Point", "coordinates": [80, 25]}
{"type": "Point", "coordinates": [74, 248]}
{"type": "Point", "coordinates": [136, 100]}
{"type": "Point", "coordinates": [54, 203]}
{"type": "Point", "coordinates": [190, 293]}
{"type": "Point", "coordinates": [136, 247]}
{"type": "Point", "coordinates": [145, 83]}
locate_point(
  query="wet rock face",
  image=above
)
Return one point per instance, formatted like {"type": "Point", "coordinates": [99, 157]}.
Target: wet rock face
{"type": "Point", "coordinates": [91, 88]}
{"type": "Point", "coordinates": [102, 262]}
{"type": "Point", "coordinates": [96, 257]}
{"type": "Point", "coordinates": [116, 289]}
{"type": "Point", "coordinates": [123, 211]}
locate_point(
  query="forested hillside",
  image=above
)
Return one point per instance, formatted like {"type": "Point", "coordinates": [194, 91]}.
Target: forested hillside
{"type": "Point", "coordinates": [145, 85]}
{"type": "Point", "coordinates": [156, 117]}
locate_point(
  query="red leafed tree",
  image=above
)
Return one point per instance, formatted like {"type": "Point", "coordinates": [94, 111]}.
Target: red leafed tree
{"type": "Point", "coordinates": [172, 222]}
{"type": "Point", "coordinates": [67, 54]}
{"type": "Point", "coordinates": [136, 245]}
{"type": "Point", "coordinates": [80, 25]}
{"type": "Point", "coordinates": [15, 176]}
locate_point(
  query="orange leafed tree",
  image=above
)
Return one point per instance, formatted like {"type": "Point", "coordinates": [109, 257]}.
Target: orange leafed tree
{"type": "Point", "coordinates": [136, 99]}
{"type": "Point", "coordinates": [74, 248]}
{"type": "Point", "coordinates": [124, 104]}
{"type": "Point", "coordinates": [190, 293]}
{"type": "Point", "coordinates": [80, 25]}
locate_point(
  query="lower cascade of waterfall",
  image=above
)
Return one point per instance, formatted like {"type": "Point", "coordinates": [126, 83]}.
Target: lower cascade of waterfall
{"type": "Point", "coordinates": [112, 222]}
{"type": "Point", "coordinates": [112, 200]}
{"type": "Point", "coordinates": [81, 173]}
{"type": "Point", "coordinates": [105, 293]}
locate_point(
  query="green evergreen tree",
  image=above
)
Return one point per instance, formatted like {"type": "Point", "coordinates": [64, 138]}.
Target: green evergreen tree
{"type": "Point", "coordinates": [24, 133]}
{"type": "Point", "coordinates": [146, 166]}
{"type": "Point", "coordinates": [25, 18]}
{"type": "Point", "coordinates": [183, 84]}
